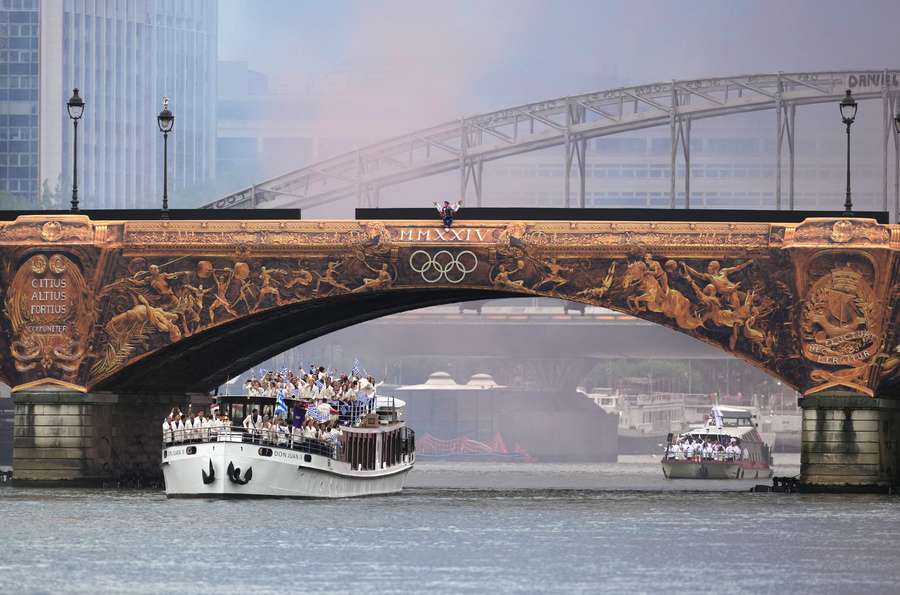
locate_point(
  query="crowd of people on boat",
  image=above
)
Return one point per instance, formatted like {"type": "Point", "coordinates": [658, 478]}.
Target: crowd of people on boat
{"type": "Point", "coordinates": [693, 448]}
{"type": "Point", "coordinates": [322, 402]}
{"type": "Point", "coordinates": [189, 427]}
{"type": "Point", "coordinates": [314, 384]}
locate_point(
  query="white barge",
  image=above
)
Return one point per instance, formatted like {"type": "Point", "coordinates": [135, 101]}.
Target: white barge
{"type": "Point", "coordinates": [371, 456]}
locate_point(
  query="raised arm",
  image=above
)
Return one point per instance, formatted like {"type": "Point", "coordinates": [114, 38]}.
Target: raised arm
{"type": "Point", "coordinates": [736, 268]}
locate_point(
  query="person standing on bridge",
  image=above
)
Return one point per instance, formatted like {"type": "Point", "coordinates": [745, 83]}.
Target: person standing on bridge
{"type": "Point", "coordinates": [447, 211]}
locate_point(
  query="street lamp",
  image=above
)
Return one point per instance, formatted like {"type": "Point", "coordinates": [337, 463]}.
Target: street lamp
{"type": "Point", "coordinates": [166, 121]}
{"type": "Point", "coordinates": [75, 106]}
{"type": "Point", "coordinates": [848, 114]}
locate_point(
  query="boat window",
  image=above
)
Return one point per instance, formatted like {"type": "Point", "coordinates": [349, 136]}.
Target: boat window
{"type": "Point", "coordinates": [191, 450]}
{"type": "Point", "coordinates": [265, 452]}
{"type": "Point", "coordinates": [307, 458]}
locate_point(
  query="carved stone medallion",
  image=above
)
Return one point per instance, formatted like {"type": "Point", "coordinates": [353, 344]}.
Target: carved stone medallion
{"type": "Point", "coordinates": [840, 327]}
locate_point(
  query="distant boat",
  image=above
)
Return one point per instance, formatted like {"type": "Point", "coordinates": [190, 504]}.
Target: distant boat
{"type": "Point", "coordinates": [727, 426]}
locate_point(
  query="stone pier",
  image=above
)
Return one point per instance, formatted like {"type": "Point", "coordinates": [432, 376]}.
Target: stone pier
{"type": "Point", "coordinates": [91, 439]}
{"type": "Point", "coordinates": [850, 443]}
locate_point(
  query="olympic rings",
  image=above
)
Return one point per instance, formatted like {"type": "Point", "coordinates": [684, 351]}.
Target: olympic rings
{"type": "Point", "coordinates": [443, 265]}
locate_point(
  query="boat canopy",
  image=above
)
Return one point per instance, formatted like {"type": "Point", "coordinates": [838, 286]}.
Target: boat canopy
{"type": "Point", "coordinates": [735, 412]}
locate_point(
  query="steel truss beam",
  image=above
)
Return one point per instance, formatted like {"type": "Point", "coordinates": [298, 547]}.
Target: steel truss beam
{"type": "Point", "coordinates": [465, 145]}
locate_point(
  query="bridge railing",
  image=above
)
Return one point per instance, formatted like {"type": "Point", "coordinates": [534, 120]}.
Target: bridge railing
{"type": "Point", "coordinates": [466, 144]}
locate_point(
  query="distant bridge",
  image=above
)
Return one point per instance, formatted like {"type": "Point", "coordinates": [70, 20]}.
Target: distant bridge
{"type": "Point", "coordinates": [466, 144]}
{"type": "Point", "coordinates": [481, 329]}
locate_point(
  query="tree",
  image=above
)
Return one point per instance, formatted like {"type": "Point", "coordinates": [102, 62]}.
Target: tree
{"type": "Point", "coordinates": [55, 199]}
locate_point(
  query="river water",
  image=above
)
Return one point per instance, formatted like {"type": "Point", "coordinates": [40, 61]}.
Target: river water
{"type": "Point", "coordinates": [460, 528]}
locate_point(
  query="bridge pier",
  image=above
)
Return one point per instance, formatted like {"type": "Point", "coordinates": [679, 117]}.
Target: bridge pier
{"type": "Point", "coordinates": [850, 444]}
{"type": "Point", "coordinates": [78, 439]}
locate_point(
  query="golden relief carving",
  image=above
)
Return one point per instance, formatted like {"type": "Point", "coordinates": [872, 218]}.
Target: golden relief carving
{"type": "Point", "coordinates": [36, 228]}
{"type": "Point", "coordinates": [840, 322]}
{"type": "Point", "coordinates": [51, 231]}
{"type": "Point", "coordinates": [48, 304]}
{"type": "Point", "coordinates": [763, 292]}
{"type": "Point", "coordinates": [726, 305]}
{"type": "Point", "coordinates": [842, 231]}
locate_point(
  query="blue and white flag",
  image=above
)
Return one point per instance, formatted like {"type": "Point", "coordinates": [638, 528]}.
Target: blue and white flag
{"type": "Point", "coordinates": [717, 416]}
{"type": "Point", "coordinates": [316, 415]}
{"type": "Point", "coordinates": [280, 406]}
{"type": "Point", "coordinates": [355, 370]}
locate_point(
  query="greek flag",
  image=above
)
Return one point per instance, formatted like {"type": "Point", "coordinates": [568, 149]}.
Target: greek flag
{"type": "Point", "coordinates": [316, 415]}
{"type": "Point", "coordinates": [318, 385]}
{"type": "Point", "coordinates": [355, 370]}
{"type": "Point", "coordinates": [280, 406]}
{"type": "Point", "coordinates": [284, 371]}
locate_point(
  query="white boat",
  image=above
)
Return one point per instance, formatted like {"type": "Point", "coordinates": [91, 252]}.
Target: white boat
{"type": "Point", "coordinates": [371, 456]}
{"type": "Point", "coordinates": [727, 425]}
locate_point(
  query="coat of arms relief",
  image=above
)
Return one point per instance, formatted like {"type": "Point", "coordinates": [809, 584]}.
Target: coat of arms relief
{"type": "Point", "coordinates": [840, 323]}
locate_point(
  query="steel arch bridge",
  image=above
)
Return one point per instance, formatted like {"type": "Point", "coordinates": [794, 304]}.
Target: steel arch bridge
{"type": "Point", "coordinates": [466, 144]}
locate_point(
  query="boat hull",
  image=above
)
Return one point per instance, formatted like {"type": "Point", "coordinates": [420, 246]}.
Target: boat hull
{"type": "Point", "coordinates": [238, 469]}
{"type": "Point", "coordinates": [674, 469]}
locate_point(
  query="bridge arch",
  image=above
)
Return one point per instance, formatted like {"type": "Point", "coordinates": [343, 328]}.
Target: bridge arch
{"type": "Point", "coordinates": [206, 360]}
{"type": "Point", "coordinates": [167, 304]}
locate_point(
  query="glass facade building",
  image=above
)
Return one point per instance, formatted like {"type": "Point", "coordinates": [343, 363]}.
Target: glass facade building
{"type": "Point", "coordinates": [124, 56]}
{"type": "Point", "coordinates": [19, 95]}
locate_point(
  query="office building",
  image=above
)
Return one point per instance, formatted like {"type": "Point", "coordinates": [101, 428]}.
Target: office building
{"type": "Point", "coordinates": [124, 56]}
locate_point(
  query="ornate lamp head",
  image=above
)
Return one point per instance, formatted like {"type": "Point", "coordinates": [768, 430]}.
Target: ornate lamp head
{"type": "Point", "coordinates": [165, 119]}
{"type": "Point", "coordinates": [75, 105]}
{"type": "Point", "coordinates": [848, 108]}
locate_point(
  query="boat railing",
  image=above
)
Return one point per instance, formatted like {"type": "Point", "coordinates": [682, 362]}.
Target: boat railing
{"type": "Point", "coordinates": [718, 456]}
{"type": "Point", "coordinates": [321, 446]}
{"type": "Point", "coordinates": [349, 412]}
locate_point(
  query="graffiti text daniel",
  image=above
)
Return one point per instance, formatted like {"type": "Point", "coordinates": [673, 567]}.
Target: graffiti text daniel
{"type": "Point", "coordinates": [431, 234]}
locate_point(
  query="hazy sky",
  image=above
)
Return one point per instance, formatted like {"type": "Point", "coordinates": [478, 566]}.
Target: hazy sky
{"type": "Point", "coordinates": [419, 62]}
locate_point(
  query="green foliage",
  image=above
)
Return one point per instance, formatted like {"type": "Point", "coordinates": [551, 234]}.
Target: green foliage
{"type": "Point", "coordinates": [56, 199]}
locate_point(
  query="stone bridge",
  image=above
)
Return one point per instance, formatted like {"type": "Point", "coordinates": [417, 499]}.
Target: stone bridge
{"type": "Point", "coordinates": [112, 320]}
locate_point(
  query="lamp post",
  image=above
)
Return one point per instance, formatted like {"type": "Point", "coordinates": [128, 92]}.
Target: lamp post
{"type": "Point", "coordinates": [166, 121]}
{"type": "Point", "coordinates": [75, 107]}
{"type": "Point", "coordinates": [848, 114]}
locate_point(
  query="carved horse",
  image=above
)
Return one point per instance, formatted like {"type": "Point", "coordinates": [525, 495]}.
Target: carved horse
{"type": "Point", "coordinates": [651, 297]}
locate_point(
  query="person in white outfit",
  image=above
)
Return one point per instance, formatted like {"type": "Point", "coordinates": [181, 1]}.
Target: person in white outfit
{"type": "Point", "coordinates": [168, 428]}
{"type": "Point", "coordinates": [178, 429]}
